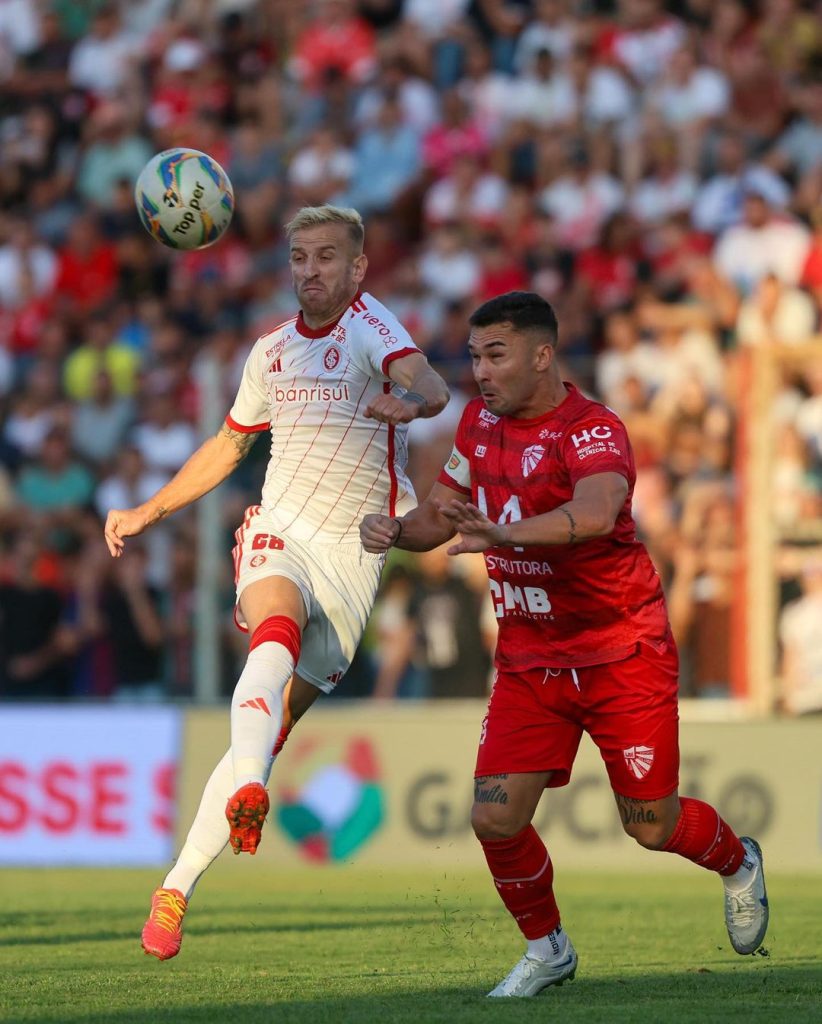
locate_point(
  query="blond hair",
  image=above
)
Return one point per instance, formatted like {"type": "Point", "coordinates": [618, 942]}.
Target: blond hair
{"type": "Point", "coordinates": [314, 216]}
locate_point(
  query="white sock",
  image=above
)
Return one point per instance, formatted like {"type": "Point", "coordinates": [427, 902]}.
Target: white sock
{"type": "Point", "coordinates": [741, 878]}
{"type": "Point", "coordinates": [208, 835]}
{"type": "Point", "coordinates": [257, 711]}
{"type": "Point", "coordinates": [549, 947]}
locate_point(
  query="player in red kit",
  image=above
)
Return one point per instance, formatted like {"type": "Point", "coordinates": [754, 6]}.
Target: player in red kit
{"type": "Point", "coordinates": [540, 480]}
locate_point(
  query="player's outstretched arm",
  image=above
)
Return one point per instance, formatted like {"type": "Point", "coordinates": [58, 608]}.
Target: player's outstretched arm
{"type": "Point", "coordinates": [213, 461]}
{"type": "Point", "coordinates": [426, 392]}
{"type": "Point", "coordinates": [421, 529]}
{"type": "Point", "coordinates": [592, 512]}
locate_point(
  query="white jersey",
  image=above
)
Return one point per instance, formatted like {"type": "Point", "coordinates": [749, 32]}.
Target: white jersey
{"type": "Point", "coordinates": [329, 465]}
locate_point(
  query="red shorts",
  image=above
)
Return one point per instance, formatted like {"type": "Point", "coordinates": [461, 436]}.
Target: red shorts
{"type": "Point", "coordinates": [629, 708]}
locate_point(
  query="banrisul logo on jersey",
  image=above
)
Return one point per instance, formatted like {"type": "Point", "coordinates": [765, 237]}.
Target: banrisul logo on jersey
{"type": "Point", "coordinates": [330, 797]}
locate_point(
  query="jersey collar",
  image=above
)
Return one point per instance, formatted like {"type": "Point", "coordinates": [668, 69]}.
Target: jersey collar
{"type": "Point", "coordinates": [322, 332]}
{"type": "Point", "coordinates": [569, 401]}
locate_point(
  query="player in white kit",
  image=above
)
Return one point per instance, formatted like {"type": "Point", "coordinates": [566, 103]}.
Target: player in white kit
{"type": "Point", "coordinates": [336, 385]}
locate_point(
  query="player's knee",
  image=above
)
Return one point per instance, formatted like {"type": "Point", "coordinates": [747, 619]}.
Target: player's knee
{"type": "Point", "coordinates": [651, 834]}
{"type": "Point", "coordinates": [494, 821]}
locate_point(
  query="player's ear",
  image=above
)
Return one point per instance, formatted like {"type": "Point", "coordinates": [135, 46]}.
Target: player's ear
{"type": "Point", "coordinates": [360, 267]}
{"type": "Point", "coordinates": [543, 357]}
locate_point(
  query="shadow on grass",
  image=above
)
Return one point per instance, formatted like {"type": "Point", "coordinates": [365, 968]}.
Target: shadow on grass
{"type": "Point", "coordinates": [761, 994]}
{"type": "Point", "coordinates": [132, 925]}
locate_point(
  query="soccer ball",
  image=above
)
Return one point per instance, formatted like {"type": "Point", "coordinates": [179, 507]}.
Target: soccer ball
{"type": "Point", "coordinates": [184, 199]}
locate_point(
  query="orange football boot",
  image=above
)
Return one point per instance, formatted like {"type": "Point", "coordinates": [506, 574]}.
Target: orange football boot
{"type": "Point", "coordinates": [246, 812]}
{"type": "Point", "coordinates": [163, 931]}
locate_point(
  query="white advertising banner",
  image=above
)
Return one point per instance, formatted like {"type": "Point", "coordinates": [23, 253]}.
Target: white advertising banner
{"type": "Point", "coordinates": [88, 785]}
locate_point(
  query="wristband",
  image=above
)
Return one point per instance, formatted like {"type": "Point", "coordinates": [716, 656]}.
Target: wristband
{"type": "Point", "coordinates": [415, 396]}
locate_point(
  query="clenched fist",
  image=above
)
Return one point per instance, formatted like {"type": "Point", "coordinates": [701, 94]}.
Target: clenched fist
{"type": "Point", "coordinates": [378, 533]}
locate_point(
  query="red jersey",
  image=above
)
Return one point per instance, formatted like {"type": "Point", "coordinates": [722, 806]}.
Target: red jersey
{"type": "Point", "coordinates": [561, 605]}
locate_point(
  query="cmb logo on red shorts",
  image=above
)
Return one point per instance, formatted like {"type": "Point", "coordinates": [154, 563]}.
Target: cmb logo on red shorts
{"type": "Point", "coordinates": [639, 760]}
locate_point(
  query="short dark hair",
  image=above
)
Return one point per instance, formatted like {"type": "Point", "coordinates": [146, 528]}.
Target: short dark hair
{"type": "Point", "coordinates": [525, 311]}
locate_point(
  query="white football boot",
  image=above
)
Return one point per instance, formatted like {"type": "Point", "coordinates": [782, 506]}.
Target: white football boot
{"type": "Point", "coordinates": [530, 976]}
{"type": "Point", "coordinates": [746, 909]}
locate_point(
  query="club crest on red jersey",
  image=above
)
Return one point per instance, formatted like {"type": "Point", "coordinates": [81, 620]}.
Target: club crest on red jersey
{"type": "Point", "coordinates": [531, 458]}
{"type": "Point", "coordinates": [331, 358]}
{"type": "Point", "coordinates": [639, 760]}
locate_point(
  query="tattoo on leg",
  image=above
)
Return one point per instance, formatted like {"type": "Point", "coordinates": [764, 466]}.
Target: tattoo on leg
{"type": "Point", "coordinates": [634, 812]}
{"type": "Point", "coordinates": [494, 795]}
{"type": "Point", "coordinates": [572, 527]}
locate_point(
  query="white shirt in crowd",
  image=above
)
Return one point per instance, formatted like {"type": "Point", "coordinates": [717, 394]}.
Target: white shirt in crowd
{"type": "Point", "coordinates": [580, 208]}
{"type": "Point", "coordinates": [706, 94]}
{"type": "Point", "coordinates": [745, 254]}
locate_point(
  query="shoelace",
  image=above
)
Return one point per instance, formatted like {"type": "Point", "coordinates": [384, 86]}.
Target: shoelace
{"type": "Point", "coordinates": [168, 911]}
{"type": "Point", "coordinates": [743, 907]}
{"type": "Point", "coordinates": [522, 971]}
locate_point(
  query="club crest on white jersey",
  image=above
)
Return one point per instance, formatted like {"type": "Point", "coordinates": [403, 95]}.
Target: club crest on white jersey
{"type": "Point", "coordinates": [531, 458]}
{"type": "Point", "coordinates": [639, 760]}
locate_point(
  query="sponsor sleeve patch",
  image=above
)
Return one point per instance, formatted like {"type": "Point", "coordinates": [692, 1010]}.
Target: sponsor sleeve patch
{"type": "Point", "coordinates": [458, 469]}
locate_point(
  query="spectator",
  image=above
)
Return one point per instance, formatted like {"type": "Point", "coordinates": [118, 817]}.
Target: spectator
{"type": "Point", "coordinates": [468, 194]}
{"type": "Point", "coordinates": [163, 437]}
{"type": "Point", "coordinates": [35, 411]}
{"type": "Point", "coordinates": [102, 60]}
{"type": "Point", "coordinates": [447, 265]}
{"type": "Point", "coordinates": [101, 350]}
{"type": "Point", "coordinates": [720, 199]}
{"type": "Point", "coordinates": [644, 40]}
{"type": "Point", "coordinates": [700, 595]}
{"type": "Point", "coordinates": [54, 482]}
{"type": "Point", "coordinates": [100, 423]}
{"type": "Point", "coordinates": [775, 314]}
{"type": "Point", "coordinates": [456, 135]}
{"type": "Point", "coordinates": [113, 153]}
{"type": "Point", "coordinates": [581, 201]}
{"type": "Point", "coordinates": [552, 30]}
{"type": "Point", "coordinates": [798, 149]}
{"type": "Point", "coordinates": [24, 258]}
{"type": "Point", "coordinates": [337, 39]}
{"type": "Point", "coordinates": [763, 243]}
{"type": "Point", "coordinates": [386, 161]}
{"type": "Point", "coordinates": [87, 268]}
{"type": "Point", "coordinates": [448, 616]}
{"type": "Point", "coordinates": [32, 665]}
{"type": "Point", "coordinates": [668, 188]}
{"type": "Point", "coordinates": [132, 612]}
{"type": "Point", "coordinates": [801, 651]}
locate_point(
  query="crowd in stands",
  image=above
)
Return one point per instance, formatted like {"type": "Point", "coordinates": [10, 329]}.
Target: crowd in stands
{"type": "Point", "coordinates": [654, 170]}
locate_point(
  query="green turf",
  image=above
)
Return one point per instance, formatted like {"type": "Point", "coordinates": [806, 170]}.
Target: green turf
{"type": "Point", "coordinates": [343, 944]}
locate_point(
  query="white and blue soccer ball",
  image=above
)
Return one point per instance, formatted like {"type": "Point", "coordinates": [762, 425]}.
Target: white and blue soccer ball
{"type": "Point", "coordinates": [184, 198]}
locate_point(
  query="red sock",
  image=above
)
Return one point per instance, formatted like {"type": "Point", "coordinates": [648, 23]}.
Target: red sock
{"type": "Point", "coordinates": [278, 746]}
{"type": "Point", "coordinates": [523, 874]}
{"type": "Point", "coordinates": [703, 837]}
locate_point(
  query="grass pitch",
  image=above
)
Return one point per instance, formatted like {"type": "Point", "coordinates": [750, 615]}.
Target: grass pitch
{"type": "Point", "coordinates": [349, 945]}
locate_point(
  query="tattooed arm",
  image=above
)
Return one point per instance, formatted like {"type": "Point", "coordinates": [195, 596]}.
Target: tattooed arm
{"type": "Point", "coordinates": [213, 461]}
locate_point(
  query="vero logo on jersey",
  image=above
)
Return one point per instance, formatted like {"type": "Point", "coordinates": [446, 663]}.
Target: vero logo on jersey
{"type": "Point", "coordinates": [487, 419]}
{"type": "Point", "coordinates": [639, 760]}
{"type": "Point", "coordinates": [531, 458]}
{"type": "Point", "coordinates": [598, 433]}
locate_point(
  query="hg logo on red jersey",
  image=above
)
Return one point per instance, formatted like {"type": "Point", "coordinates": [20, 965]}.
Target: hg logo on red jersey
{"type": "Point", "coordinates": [598, 433]}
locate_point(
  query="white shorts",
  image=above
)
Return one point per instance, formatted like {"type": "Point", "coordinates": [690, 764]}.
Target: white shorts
{"type": "Point", "coordinates": [338, 583]}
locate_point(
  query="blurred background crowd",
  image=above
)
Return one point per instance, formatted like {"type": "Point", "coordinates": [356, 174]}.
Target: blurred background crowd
{"type": "Point", "coordinates": [654, 170]}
